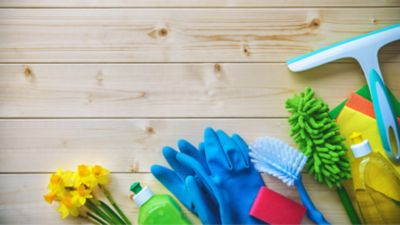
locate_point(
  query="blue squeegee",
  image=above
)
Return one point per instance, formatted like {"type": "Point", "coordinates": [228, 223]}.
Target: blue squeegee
{"type": "Point", "coordinates": [364, 49]}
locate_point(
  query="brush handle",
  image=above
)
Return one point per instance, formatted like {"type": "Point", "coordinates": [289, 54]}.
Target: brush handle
{"type": "Point", "coordinates": [313, 213]}
{"type": "Point", "coordinates": [348, 206]}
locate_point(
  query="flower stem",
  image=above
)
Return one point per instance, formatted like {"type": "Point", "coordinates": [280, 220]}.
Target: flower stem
{"type": "Point", "coordinates": [111, 213]}
{"type": "Point", "coordinates": [93, 207]}
{"type": "Point", "coordinates": [95, 219]}
{"type": "Point", "coordinates": [114, 204]}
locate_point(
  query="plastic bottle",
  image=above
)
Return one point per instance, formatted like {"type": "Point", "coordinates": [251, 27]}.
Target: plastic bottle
{"type": "Point", "coordinates": [376, 184]}
{"type": "Point", "coordinates": [157, 209]}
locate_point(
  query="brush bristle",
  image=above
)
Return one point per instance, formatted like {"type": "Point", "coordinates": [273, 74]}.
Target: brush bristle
{"type": "Point", "coordinates": [274, 157]}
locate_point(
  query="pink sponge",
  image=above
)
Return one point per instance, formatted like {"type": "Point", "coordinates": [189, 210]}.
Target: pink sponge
{"type": "Point", "coordinates": [274, 208]}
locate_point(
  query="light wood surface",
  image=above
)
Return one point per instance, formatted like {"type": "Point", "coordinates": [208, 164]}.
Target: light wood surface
{"type": "Point", "coordinates": [182, 35]}
{"type": "Point", "coordinates": [121, 145]}
{"type": "Point", "coordinates": [197, 3]}
{"type": "Point", "coordinates": [113, 81]}
{"type": "Point", "coordinates": [170, 90]}
{"type": "Point", "coordinates": [29, 206]}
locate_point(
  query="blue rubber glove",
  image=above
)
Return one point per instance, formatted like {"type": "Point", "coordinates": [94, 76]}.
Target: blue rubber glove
{"type": "Point", "coordinates": [182, 182]}
{"type": "Point", "coordinates": [231, 177]}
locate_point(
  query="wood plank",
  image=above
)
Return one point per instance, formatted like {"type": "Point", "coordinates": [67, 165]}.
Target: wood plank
{"type": "Point", "coordinates": [171, 90]}
{"type": "Point", "coordinates": [128, 145]}
{"type": "Point", "coordinates": [21, 198]}
{"type": "Point", "coordinates": [182, 35]}
{"type": "Point", "coordinates": [196, 3]}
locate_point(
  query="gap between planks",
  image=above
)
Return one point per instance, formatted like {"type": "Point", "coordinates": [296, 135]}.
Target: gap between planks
{"type": "Point", "coordinates": [22, 202]}
{"type": "Point", "coordinates": [119, 145]}
{"type": "Point", "coordinates": [213, 90]}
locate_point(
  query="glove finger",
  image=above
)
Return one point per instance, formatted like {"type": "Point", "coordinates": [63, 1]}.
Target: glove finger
{"type": "Point", "coordinates": [199, 171]}
{"type": "Point", "coordinates": [216, 159]}
{"type": "Point", "coordinates": [206, 208]}
{"type": "Point", "coordinates": [170, 155]}
{"type": "Point", "coordinates": [187, 148]}
{"type": "Point", "coordinates": [232, 150]}
{"type": "Point", "coordinates": [173, 183]}
{"type": "Point", "coordinates": [243, 147]}
{"type": "Point", "coordinates": [201, 148]}
{"type": "Point", "coordinates": [203, 154]}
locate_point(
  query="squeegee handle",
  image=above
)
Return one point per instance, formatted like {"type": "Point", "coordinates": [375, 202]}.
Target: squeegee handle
{"type": "Point", "coordinates": [385, 116]}
{"type": "Point", "coordinates": [313, 213]}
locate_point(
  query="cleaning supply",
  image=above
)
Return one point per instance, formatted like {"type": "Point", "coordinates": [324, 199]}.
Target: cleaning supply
{"type": "Point", "coordinates": [232, 178]}
{"type": "Point", "coordinates": [278, 159]}
{"type": "Point", "coordinates": [358, 115]}
{"type": "Point", "coordinates": [157, 209]}
{"type": "Point", "coordinates": [184, 184]}
{"type": "Point", "coordinates": [377, 206]}
{"type": "Point", "coordinates": [318, 137]}
{"type": "Point", "coordinates": [364, 49]}
{"type": "Point", "coordinates": [274, 208]}
{"type": "Point", "coordinates": [364, 93]}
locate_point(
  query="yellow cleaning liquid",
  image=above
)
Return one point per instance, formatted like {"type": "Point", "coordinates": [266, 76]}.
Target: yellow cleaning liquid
{"type": "Point", "coordinates": [378, 204]}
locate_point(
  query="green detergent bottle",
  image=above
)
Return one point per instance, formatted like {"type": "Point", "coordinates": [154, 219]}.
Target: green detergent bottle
{"type": "Point", "coordinates": [157, 209]}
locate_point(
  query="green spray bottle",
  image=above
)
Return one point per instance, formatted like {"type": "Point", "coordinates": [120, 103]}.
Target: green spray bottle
{"type": "Point", "coordinates": [157, 209]}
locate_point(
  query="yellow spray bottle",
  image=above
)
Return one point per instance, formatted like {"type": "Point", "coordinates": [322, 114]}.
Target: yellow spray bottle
{"type": "Point", "coordinates": [376, 184]}
{"type": "Point", "coordinates": [157, 209]}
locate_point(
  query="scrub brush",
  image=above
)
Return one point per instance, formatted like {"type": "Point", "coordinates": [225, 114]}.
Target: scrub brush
{"type": "Point", "coordinates": [278, 159]}
{"type": "Point", "coordinates": [318, 137]}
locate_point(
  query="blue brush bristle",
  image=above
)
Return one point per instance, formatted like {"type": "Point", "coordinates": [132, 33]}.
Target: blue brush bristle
{"type": "Point", "coordinates": [274, 157]}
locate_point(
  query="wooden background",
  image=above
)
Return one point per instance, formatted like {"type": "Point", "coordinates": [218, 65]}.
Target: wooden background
{"type": "Point", "coordinates": [112, 81]}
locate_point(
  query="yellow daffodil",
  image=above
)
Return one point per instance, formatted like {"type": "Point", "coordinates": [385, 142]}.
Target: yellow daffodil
{"type": "Point", "coordinates": [68, 178]}
{"type": "Point", "coordinates": [81, 194]}
{"type": "Point", "coordinates": [75, 192]}
{"type": "Point", "coordinates": [67, 207]}
{"type": "Point", "coordinates": [59, 181]}
{"type": "Point", "coordinates": [56, 184]}
{"type": "Point", "coordinates": [85, 176]}
{"type": "Point", "coordinates": [50, 197]}
{"type": "Point", "coordinates": [101, 174]}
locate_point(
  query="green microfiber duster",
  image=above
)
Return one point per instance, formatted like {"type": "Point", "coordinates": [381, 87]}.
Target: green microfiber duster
{"type": "Point", "coordinates": [318, 137]}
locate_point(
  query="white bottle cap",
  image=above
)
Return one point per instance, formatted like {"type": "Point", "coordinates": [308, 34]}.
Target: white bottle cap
{"type": "Point", "coordinates": [143, 196]}
{"type": "Point", "coordinates": [360, 147]}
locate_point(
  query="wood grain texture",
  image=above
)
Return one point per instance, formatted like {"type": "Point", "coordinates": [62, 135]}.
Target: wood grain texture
{"type": "Point", "coordinates": [122, 145]}
{"type": "Point", "coordinates": [22, 202]}
{"type": "Point", "coordinates": [182, 35]}
{"type": "Point", "coordinates": [171, 90]}
{"type": "Point", "coordinates": [21, 198]}
{"type": "Point", "coordinates": [113, 81]}
{"type": "Point", "coordinates": [197, 3]}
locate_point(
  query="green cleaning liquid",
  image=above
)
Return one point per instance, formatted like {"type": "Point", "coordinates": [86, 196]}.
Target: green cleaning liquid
{"type": "Point", "coordinates": [376, 184]}
{"type": "Point", "coordinates": [157, 209]}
